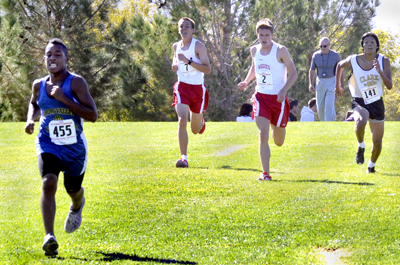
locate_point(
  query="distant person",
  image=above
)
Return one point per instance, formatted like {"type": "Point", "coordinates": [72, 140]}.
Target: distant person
{"type": "Point", "coordinates": [325, 61]}
{"type": "Point", "coordinates": [307, 113]}
{"type": "Point", "coordinates": [294, 109]}
{"type": "Point", "coordinates": [245, 114]}
{"type": "Point", "coordinates": [190, 63]}
{"type": "Point", "coordinates": [62, 100]}
{"type": "Point", "coordinates": [271, 62]}
{"type": "Point", "coordinates": [371, 72]}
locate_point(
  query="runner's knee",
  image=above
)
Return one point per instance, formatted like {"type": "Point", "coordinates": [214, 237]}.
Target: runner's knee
{"type": "Point", "coordinates": [73, 184]}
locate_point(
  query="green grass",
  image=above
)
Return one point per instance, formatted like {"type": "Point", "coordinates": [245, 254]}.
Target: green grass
{"type": "Point", "coordinates": [140, 209]}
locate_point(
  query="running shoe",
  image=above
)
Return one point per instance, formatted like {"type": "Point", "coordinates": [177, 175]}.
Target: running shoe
{"type": "Point", "coordinates": [50, 245]}
{"type": "Point", "coordinates": [203, 126]}
{"type": "Point", "coordinates": [371, 170]}
{"type": "Point", "coordinates": [265, 177]}
{"type": "Point", "coordinates": [360, 155]}
{"type": "Point", "coordinates": [74, 219]}
{"type": "Point", "coordinates": [182, 163]}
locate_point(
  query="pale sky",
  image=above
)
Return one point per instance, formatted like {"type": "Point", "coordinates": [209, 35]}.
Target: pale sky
{"type": "Point", "coordinates": [388, 16]}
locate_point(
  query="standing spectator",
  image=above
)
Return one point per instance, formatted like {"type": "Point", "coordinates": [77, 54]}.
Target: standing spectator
{"type": "Point", "coordinates": [325, 61]}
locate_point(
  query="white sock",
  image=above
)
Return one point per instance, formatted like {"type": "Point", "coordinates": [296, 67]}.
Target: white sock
{"type": "Point", "coordinates": [362, 145]}
{"type": "Point", "coordinates": [370, 164]}
{"type": "Point", "coordinates": [184, 157]}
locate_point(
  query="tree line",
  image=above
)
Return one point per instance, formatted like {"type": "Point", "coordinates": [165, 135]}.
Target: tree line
{"type": "Point", "coordinates": [124, 49]}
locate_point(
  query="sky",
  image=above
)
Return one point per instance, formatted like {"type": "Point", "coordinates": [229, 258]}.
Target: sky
{"type": "Point", "coordinates": [387, 16]}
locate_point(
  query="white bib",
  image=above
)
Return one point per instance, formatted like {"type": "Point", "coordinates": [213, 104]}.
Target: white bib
{"type": "Point", "coordinates": [187, 70]}
{"type": "Point", "coordinates": [264, 80]}
{"type": "Point", "coordinates": [370, 94]}
{"type": "Point", "coordinates": [62, 132]}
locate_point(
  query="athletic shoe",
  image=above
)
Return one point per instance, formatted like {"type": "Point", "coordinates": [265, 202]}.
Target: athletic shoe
{"type": "Point", "coordinates": [360, 155]}
{"type": "Point", "coordinates": [203, 126]}
{"type": "Point", "coordinates": [371, 170]}
{"type": "Point", "coordinates": [50, 245]}
{"type": "Point", "coordinates": [182, 163]}
{"type": "Point", "coordinates": [265, 177]}
{"type": "Point", "coordinates": [74, 219]}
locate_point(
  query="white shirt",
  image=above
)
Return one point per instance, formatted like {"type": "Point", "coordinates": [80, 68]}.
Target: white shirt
{"type": "Point", "coordinates": [187, 73]}
{"type": "Point", "coordinates": [244, 119]}
{"type": "Point", "coordinates": [307, 114]}
{"type": "Point", "coordinates": [367, 84]}
{"type": "Point", "coordinates": [270, 73]}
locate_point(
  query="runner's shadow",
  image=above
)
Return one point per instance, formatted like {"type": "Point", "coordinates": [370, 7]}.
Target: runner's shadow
{"type": "Point", "coordinates": [240, 169]}
{"type": "Point", "coordinates": [121, 256]}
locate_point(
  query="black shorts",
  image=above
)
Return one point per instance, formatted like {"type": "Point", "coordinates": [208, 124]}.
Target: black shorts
{"type": "Point", "coordinates": [51, 164]}
{"type": "Point", "coordinates": [376, 109]}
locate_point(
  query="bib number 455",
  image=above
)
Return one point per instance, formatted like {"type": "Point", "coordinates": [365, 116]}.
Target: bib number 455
{"type": "Point", "coordinates": [62, 132]}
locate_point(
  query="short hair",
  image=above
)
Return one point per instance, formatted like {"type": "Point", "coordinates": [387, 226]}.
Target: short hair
{"type": "Point", "coordinates": [265, 23]}
{"type": "Point", "coordinates": [312, 102]}
{"type": "Point", "coordinates": [188, 19]}
{"type": "Point", "coordinates": [324, 38]}
{"type": "Point", "coordinates": [370, 34]}
{"type": "Point", "coordinates": [57, 41]}
{"type": "Point", "coordinates": [246, 110]}
{"type": "Point", "coordinates": [293, 102]}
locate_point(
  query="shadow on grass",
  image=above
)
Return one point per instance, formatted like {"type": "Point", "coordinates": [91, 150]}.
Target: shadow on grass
{"type": "Point", "coordinates": [240, 169]}
{"type": "Point", "coordinates": [121, 256]}
{"type": "Point", "coordinates": [389, 174]}
{"type": "Point", "coordinates": [329, 181]}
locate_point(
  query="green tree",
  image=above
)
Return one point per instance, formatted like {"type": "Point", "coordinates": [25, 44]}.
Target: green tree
{"type": "Point", "coordinates": [390, 48]}
{"type": "Point", "coordinates": [94, 56]}
{"type": "Point", "coordinates": [220, 25]}
{"type": "Point", "coordinates": [228, 30]}
{"type": "Point", "coordinates": [15, 70]}
{"type": "Point", "coordinates": [300, 24]}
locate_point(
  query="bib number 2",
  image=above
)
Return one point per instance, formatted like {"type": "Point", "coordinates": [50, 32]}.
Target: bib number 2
{"type": "Point", "coordinates": [62, 132]}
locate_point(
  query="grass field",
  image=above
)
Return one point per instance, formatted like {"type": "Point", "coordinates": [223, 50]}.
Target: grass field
{"type": "Point", "coordinates": [140, 209]}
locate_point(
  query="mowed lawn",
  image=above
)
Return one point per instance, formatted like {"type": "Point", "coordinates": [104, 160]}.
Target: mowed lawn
{"type": "Point", "coordinates": [141, 209]}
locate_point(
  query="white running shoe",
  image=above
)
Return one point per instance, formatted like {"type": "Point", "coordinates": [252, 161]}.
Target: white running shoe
{"type": "Point", "coordinates": [50, 245]}
{"type": "Point", "coordinates": [265, 177]}
{"type": "Point", "coordinates": [74, 219]}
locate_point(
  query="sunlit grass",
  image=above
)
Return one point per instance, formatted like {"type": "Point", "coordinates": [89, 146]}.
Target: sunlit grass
{"type": "Point", "coordinates": [141, 209]}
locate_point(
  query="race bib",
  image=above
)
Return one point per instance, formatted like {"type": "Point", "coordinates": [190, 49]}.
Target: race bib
{"type": "Point", "coordinates": [370, 94]}
{"type": "Point", "coordinates": [264, 80]}
{"type": "Point", "coordinates": [186, 69]}
{"type": "Point", "coordinates": [62, 132]}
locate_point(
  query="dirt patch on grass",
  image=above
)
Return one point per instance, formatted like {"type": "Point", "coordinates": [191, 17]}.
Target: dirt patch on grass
{"type": "Point", "coordinates": [229, 150]}
{"type": "Point", "coordinates": [332, 256]}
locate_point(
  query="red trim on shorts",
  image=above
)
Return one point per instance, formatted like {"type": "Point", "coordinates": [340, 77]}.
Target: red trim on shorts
{"type": "Point", "coordinates": [267, 106]}
{"type": "Point", "coordinates": [195, 96]}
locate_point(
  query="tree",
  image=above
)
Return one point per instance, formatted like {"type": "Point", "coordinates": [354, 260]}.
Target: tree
{"type": "Point", "coordinates": [220, 26]}
{"type": "Point", "coordinates": [300, 24]}
{"type": "Point", "coordinates": [228, 30]}
{"type": "Point", "coordinates": [390, 48]}
{"type": "Point", "coordinates": [93, 56]}
{"type": "Point", "coordinates": [146, 92]}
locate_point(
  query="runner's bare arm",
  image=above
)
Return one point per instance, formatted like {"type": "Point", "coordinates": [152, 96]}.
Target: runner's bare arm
{"type": "Point", "coordinates": [85, 108]}
{"type": "Point", "coordinates": [33, 108]}
{"type": "Point", "coordinates": [252, 72]}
